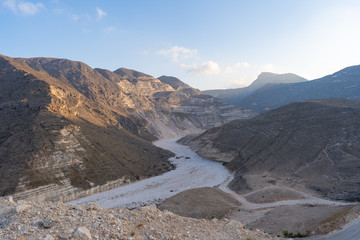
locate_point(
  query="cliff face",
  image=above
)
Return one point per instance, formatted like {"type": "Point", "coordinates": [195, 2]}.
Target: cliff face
{"type": "Point", "coordinates": [67, 129]}
{"type": "Point", "coordinates": [62, 133]}
{"type": "Point", "coordinates": [170, 107]}
{"type": "Point", "coordinates": [315, 143]}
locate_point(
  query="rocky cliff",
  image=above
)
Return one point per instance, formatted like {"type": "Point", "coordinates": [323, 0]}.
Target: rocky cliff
{"type": "Point", "coordinates": [170, 107]}
{"type": "Point", "coordinates": [67, 130]}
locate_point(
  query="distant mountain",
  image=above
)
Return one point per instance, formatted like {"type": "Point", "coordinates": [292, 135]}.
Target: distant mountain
{"type": "Point", "coordinates": [174, 82]}
{"type": "Point", "coordinates": [67, 130]}
{"type": "Point", "coordinates": [130, 74]}
{"type": "Point", "coordinates": [315, 143]}
{"type": "Point", "coordinates": [342, 84]}
{"type": "Point", "coordinates": [235, 96]}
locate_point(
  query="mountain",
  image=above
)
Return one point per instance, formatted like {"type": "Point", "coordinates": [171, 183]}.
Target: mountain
{"type": "Point", "coordinates": [235, 96]}
{"type": "Point", "coordinates": [342, 84]}
{"type": "Point", "coordinates": [173, 82]}
{"type": "Point", "coordinates": [64, 130]}
{"type": "Point", "coordinates": [67, 130]}
{"type": "Point", "coordinates": [315, 143]}
{"type": "Point", "coordinates": [170, 110]}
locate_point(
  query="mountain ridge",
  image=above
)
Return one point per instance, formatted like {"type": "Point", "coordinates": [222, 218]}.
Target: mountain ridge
{"type": "Point", "coordinates": [68, 129]}
{"type": "Point", "coordinates": [296, 141]}
{"type": "Point", "coordinates": [341, 84]}
{"type": "Point", "coordinates": [235, 95]}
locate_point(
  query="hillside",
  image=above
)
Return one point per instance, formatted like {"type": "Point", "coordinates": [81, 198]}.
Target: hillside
{"type": "Point", "coordinates": [168, 110]}
{"type": "Point", "coordinates": [314, 143]}
{"type": "Point", "coordinates": [59, 138]}
{"type": "Point", "coordinates": [342, 84]}
{"type": "Point", "coordinates": [49, 221]}
{"type": "Point", "coordinates": [69, 130]}
{"type": "Point", "coordinates": [236, 95]}
{"type": "Point", "coordinates": [173, 82]}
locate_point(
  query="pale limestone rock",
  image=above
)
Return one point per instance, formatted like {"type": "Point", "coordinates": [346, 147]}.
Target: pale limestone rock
{"type": "Point", "coordinates": [22, 207]}
{"type": "Point", "coordinates": [82, 233]}
{"type": "Point", "coordinates": [49, 237]}
{"type": "Point", "coordinates": [11, 200]}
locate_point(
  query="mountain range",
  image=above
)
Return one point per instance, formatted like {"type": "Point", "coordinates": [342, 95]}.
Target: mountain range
{"type": "Point", "coordinates": [314, 143]}
{"type": "Point", "coordinates": [236, 95]}
{"type": "Point", "coordinates": [342, 84]}
{"type": "Point", "coordinates": [68, 130]}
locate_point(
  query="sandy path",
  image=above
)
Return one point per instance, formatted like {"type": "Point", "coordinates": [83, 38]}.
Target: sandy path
{"type": "Point", "coordinates": [190, 173]}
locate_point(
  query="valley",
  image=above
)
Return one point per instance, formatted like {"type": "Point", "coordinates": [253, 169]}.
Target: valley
{"type": "Point", "coordinates": [266, 207]}
{"type": "Point", "coordinates": [114, 139]}
{"type": "Point", "coordinates": [192, 171]}
{"type": "Point", "coordinates": [179, 120]}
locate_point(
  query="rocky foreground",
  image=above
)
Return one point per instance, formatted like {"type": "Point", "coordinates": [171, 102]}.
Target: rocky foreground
{"type": "Point", "coordinates": [29, 220]}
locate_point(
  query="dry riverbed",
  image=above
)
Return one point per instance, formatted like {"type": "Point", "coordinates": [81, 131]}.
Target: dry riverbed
{"type": "Point", "coordinates": [272, 204]}
{"type": "Point", "coordinates": [192, 171]}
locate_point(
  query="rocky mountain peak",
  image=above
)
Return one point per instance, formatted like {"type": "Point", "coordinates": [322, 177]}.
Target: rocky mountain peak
{"type": "Point", "coordinates": [274, 78]}
{"type": "Point", "coordinates": [173, 82]}
{"type": "Point", "coordinates": [130, 74]}
{"type": "Point", "coordinates": [67, 129]}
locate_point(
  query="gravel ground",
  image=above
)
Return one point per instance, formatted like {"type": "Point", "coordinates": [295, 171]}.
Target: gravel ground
{"type": "Point", "coordinates": [49, 221]}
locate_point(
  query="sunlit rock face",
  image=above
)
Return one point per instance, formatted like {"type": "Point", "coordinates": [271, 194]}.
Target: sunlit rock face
{"type": "Point", "coordinates": [68, 130]}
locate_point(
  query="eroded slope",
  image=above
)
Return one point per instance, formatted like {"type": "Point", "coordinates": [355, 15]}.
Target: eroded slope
{"type": "Point", "coordinates": [315, 143]}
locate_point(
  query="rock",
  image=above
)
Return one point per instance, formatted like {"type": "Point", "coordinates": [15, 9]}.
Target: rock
{"type": "Point", "coordinates": [49, 237]}
{"type": "Point", "coordinates": [22, 207]}
{"type": "Point", "coordinates": [46, 224]}
{"type": "Point", "coordinates": [11, 200]}
{"type": "Point", "coordinates": [82, 233]}
{"type": "Point", "coordinates": [5, 210]}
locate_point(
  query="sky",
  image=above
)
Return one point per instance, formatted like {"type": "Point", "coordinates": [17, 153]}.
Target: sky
{"type": "Point", "coordinates": [209, 44]}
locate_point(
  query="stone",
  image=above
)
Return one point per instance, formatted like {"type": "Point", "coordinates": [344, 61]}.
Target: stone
{"type": "Point", "coordinates": [46, 224]}
{"type": "Point", "coordinates": [49, 237]}
{"type": "Point", "coordinates": [82, 233]}
{"type": "Point", "coordinates": [11, 200]}
{"type": "Point", "coordinates": [22, 207]}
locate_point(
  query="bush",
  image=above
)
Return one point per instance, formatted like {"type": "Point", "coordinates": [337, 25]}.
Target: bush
{"type": "Point", "coordinates": [292, 235]}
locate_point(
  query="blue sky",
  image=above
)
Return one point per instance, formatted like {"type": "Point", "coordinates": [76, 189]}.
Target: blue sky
{"type": "Point", "coordinates": [206, 43]}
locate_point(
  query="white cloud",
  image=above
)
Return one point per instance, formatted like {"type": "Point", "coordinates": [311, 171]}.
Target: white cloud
{"type": "Point", "coordinates": [268, 68]}
{"type": "Point", "coordinates": [23, 8]}
{"type": "Point", "coordinates": [179, 53]}
{"type": "Point", "coordinates": [11, 4]}
{"type": "Point", "coordinates": [210, 72]}
{"type": "Point", "coordinates": [110, 29]}
{"type": "Point", "coordinates": [206, 68]}
{"type": "Point", "coordinates": [58, 11]}
{"type": "Point", "coordinates": [29, 8]}
{"type": "Point", "coordinates": [100, 13]}
{"type": "Point", "coordinates": [145, 52]}
{"type": "Point", "coordinates": [237, 66]}
{"type": "Point", "coordinates": [75, 17]}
